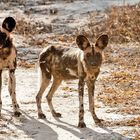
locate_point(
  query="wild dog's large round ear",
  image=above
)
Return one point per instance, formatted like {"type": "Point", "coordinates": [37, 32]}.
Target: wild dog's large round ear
{"type": "Point", "coordinates": [82, 42]}
{"type": "Point", "coordinates": [102, 41]}
{"type": "Point", "coordinates": [9, 24]}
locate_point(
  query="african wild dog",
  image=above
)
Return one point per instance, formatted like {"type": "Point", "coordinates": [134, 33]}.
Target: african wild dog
{"type": "Point", "coordinates": [8, 60]}
{"type": "Point", "coordinates": [65, 63]}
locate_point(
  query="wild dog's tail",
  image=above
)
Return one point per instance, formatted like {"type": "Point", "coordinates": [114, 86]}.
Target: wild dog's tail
{"type": "Point", "coordinates": [45, 70]}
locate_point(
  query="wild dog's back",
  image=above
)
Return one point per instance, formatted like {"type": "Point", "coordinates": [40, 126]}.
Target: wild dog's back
{"type": "Point", "coordinates": [61, 61]}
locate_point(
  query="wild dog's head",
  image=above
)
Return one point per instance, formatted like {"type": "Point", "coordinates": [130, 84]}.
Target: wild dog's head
{"type": "Point", "coordinates": [92, 53]}
{"type": "Point", "coordinates": [8, 26]}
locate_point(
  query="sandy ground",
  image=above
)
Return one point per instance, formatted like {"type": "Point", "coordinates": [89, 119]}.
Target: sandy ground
{"type": "Point", "coordinates": [119, 58]}
{"type": "Point", "coordinates": [28, 126]}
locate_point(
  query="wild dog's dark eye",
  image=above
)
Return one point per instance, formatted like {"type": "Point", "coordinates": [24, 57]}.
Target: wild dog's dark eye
{"type": "Point", "coordinates": [98, 55]}
{"type": "Point", "coordinates": [88, 54]}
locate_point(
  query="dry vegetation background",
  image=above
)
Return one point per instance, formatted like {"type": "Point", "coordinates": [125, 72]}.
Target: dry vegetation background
{"type": "Point", "coordinates": [122, 23]}
{"type": "Point", "coordinates": [121, 83]}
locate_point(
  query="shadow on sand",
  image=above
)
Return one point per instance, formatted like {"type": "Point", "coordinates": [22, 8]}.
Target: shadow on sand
{"type": "Point", "coordinates": [37, 130]}
{"type": "Point", "coordinates": [31, 127]}
{"type": "Point", "coordinates": [90, 134]}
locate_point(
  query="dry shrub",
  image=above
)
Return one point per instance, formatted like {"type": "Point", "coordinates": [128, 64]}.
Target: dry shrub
{"type": "Point", "coordinates": [134, 121]}
{"type": "Point", "coordinates": [25, 64]}
{"type": "Point", "coordinates": [122, 23]}
{"type": "Point", "coordinates": [28, 27]}
{"type": "Point", "coordinates": [119, 89]}
{"type": "Point", "coordinates": [24, 27]}
{"type": "Point", "coordinates": [121, 83]}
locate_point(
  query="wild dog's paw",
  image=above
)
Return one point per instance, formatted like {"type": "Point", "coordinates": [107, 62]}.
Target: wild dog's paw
{"type": "Point", "coordinates": [41, 116]}
{"type": "Point", "coordinates": [99, 122]}
{"type": "Point", "coordinates": [57, 115]}
{"type": "Point", "coordinates": [81, 125]}
{"type": "Point", "coordinates": [17, 114]}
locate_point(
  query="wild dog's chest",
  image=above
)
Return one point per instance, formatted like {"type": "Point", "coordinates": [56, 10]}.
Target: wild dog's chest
{"type": "Point", "coordinates": [7, 58]}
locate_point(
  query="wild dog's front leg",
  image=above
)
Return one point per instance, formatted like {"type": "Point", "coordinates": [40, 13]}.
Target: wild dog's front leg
{"type": "Point", "coordinates": [11, 87]}
{"type": "Point", "coordinates": [91, 88]}
{"type": "Point", "coordinates": [0, 90]}
{"type": "Point", "coordinates": [81, 105]}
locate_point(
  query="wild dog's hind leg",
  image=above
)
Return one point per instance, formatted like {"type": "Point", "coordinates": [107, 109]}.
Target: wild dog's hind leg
{"type": "Point", "coordinates": [45, 80]}
{"type": "Point", "coordinates": [55, 85]}
{"type": "Point", "coordinates": [11, 87]}
{"type": "Point", "coordinates": [0, 90]}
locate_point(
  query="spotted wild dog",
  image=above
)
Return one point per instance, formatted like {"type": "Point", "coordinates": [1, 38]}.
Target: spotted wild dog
{"type": "Point", "coordinates": [69, 63]}
{"type": "Point", "coordinates": [8, 60]}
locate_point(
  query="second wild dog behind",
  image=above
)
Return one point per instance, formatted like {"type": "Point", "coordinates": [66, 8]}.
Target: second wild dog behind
{"type": "Point", "coordinates": [68, 63]}
{"type": "Point", "coordinates": [8, 61]}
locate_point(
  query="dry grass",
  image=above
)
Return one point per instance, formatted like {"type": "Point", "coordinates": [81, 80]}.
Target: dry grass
{"type": "Point", "coordinates": [30, 30]}
{"type": "Point", "coordinates": [28, 27]}
{"type": "Point", "coordinates": [121, 85]}
{"type": "Point", "coordinates": [122, 24]}
{"type": "Point", "coordinates": [25, 64]}
{"type": "Point", "coordinates": [126, 122]}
